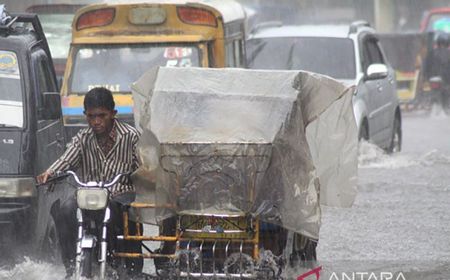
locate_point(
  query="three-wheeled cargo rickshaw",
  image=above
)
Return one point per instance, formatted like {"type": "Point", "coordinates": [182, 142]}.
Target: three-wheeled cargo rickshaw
{"type": "Point", "coordinates": [225, 152]}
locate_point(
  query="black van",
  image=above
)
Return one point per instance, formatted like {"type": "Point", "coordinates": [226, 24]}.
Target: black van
{"type": "Point", "coordinates": [31, 129]}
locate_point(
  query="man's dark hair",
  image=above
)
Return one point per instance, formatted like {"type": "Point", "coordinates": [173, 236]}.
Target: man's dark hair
{"type": "Point", "coordinates": [99, 97]}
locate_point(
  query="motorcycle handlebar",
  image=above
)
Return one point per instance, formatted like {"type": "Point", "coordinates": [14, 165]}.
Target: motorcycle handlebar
{"type": "Point", "coordinates": [61, 175]}
{"type": "Point", "coordinates": [115, 179]}
{"type": "Point", "coordinates": [58, 176]}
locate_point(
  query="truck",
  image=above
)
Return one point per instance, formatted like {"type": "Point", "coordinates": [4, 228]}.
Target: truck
{"type": "Point", "coordinates": [31, 133]}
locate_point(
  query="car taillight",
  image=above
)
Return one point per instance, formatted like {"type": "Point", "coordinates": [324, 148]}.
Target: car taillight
{"type": "Point", "coordinates": [196, 16]}
{"type": "Point", "coordinates": [100, 17]}
{"type": "Point", "coordinates": [435, 82]}
{"type": "Point", "coordinates": [435, 85]}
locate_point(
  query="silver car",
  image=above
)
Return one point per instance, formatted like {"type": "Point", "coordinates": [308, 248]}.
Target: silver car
{"type": "Point", "coordinates": [349, 53]}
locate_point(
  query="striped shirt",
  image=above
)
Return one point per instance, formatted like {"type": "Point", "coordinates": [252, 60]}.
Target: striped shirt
{"type": "Point", "coordinates": [86, 157]}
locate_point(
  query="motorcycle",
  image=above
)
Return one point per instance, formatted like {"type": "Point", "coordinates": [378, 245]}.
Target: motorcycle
{"type": "Point", "coordinates": [93, 251]}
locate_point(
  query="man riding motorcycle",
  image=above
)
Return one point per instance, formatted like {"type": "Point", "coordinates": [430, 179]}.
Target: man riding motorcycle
{"type": "Point", "coordinates": [106, 148]}
{"type": "Point", "coordinates": [438, 66]}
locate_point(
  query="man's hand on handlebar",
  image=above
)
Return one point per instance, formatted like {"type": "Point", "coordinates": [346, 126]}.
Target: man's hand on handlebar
{"type": "Point", "coordinates": [42, 179]}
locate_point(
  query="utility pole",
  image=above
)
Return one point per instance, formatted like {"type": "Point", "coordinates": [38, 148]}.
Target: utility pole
{"type": "Point", "coordinates": [384, 15]}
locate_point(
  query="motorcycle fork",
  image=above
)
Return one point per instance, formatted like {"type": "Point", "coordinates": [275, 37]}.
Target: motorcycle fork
{"type": "Point", "coordinates": [103, 243]}
{"type": "Point", "coordinates": [80, 237]}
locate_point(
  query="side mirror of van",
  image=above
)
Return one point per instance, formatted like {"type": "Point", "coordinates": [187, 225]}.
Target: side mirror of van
{"type": "Point", "coordinates": [376, 71]}
{"type": "Point", "coordinates": [51, 106]}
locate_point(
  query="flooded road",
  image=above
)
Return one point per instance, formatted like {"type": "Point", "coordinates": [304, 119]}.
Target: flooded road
{"type": "Point", "coordinates": [400, 221]}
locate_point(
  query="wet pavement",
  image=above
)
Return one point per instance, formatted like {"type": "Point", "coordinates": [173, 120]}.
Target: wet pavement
{"type": "Point", "coordinates": [400, 221]}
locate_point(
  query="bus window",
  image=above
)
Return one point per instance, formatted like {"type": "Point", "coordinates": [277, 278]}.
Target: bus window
{"type": "Point", "coordinates": [235, 53]}
{"type": "Point", "coordinates": [229, 54]}
{"type": "Point", "coordinates": [123, 64]}
{"type": "Point", "coordinates": [211, 55]}
{"type": "Point", "coordinates": [239, 53]}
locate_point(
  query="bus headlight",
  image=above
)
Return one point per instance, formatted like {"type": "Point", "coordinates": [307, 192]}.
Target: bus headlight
{"type": "Point", "coordinates": [17, 187]}
{"type": "Point", "coordinates": [92, 199]}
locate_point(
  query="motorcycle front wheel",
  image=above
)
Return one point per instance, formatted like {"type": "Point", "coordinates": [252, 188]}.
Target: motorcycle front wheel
{"type": "Point", "coordinates": [86, 262]}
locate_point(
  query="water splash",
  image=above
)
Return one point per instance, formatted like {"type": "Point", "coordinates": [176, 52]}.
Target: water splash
{"type": "Point", "coordinates": [33, 270]}
{"type": "Point", "coordinates": [372, 156]}
{"type": "Point", "coordinates": [437, 112]}
{"type": "Point", "coordinates": [434, 157]}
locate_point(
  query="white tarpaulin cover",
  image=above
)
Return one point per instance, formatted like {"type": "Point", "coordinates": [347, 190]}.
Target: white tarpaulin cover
{"type": "Point", "coordinates": [245, 141]}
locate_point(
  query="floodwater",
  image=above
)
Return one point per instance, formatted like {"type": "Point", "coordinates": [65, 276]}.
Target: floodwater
{"type": "Point", "coordinates": [400, 220]}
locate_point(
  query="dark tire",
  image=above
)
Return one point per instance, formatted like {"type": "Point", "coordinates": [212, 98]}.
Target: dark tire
{"type": "Point", "coordinates": [164, 267]}
{"type": "Point", "coordinates": [304, 249]}
{"type": "Point", "coordinates": [363, 131]}
{"type": "Point", "coordinates": [273, 238]}
{"type": "Point", "coordinates": [86, 262]}
{"type": "Point", "coordinates": [396, 140]}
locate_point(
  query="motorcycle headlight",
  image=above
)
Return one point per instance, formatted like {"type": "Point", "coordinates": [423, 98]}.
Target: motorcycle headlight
{"type": "Point", "coordinates": [17, 187]}
{"type": "Point", "coordinates": [92, 199]}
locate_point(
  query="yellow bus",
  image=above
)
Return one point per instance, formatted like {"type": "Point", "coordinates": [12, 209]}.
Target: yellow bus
{"type": "Point", "coordinates": [114, 44]}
